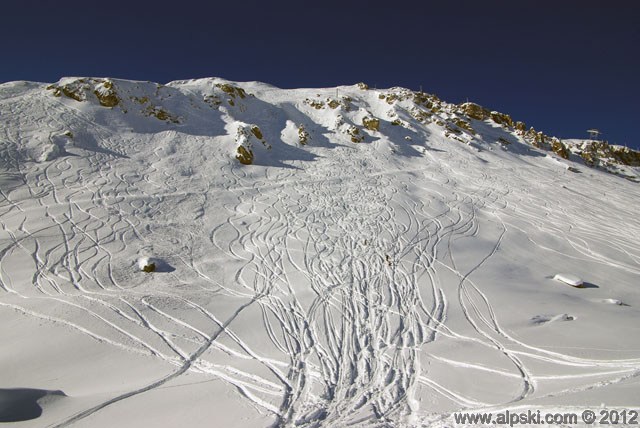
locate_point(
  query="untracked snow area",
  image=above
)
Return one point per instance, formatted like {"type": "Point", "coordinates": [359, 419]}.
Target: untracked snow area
{"type": "Point", "coordinates": [388, 282]}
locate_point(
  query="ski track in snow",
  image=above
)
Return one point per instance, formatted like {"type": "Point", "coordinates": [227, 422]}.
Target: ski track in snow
{"type": "Point", "coordinates": [351, 277]}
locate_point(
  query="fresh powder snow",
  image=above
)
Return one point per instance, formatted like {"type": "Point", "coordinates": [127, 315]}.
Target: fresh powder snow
{"type": "Point", "coordinates": [323, 257]}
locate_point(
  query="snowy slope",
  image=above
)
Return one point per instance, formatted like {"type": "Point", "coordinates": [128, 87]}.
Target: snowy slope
{"type": "Point", "coordinates": [324, 257]}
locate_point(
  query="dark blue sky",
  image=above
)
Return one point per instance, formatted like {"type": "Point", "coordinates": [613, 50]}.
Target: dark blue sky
{"type": "Point", "coordinates": [562, 66]}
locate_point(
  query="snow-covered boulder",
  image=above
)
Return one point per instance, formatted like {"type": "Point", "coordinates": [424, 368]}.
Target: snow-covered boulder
{"type": "Point", "coordinates": [569, 279]}
{"type": "Point", "coordinates": [147, 264]}
{"type": "Point", "coordinates": [248, 138]}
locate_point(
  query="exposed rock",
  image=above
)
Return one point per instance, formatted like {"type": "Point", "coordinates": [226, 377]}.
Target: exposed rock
{"type": "Point", "coordinates": [103, 89]}
{"type": "Point", "coordinates": [303, 135]}
{"type": "Point", "coordinates": [73, 91]}
{"type": "Point", "coordinates": [389, 98]}
{"type": "Point", "coordinates": [106, 94]}
{"type": "Point", "coordinates": [453, 129]}
{"type": "Point", "coordinates": [151, 267]}
{"type": "Point", "coordinates": [160, 114]}
{"type": "Point", "coordinates": [559, 148]}
{"type": "Point", "coordinates": [345, 102]}
{"type": "Point", "coordinates": [255, 130]}
{"type": "Point", "coordinates": [595, 153]}
{"type": "Point", "coordinates": [356, 136]}
{"type": "Point", "coordinates": [426, 100]}
{"type": "Point", "coordinates": [424, 108]}
{"type": "Point", "coordinates": [246, 137]}
{"type": "Point", "coordinates": [591, 152]}
{"type": "Point", "coordinates": [502, 119]}
{"type": "Point", "coordinates": [333, 104]}
{"type": "Point", "coordinates": [475, 111]}
{"type": "Point", "coordinates": [147, 264]}
{"type": "Point", "coordinates": [536, 138]}
{"type": "Point", "coordinates": [588, 157]}
{"type": "Point", "coordinates": [212, 100]}
{"type": "Point", "coordinates": [372, 124]}
{"type": "Point", "coordinates": [231, 90]}
{"type": "Point", "coordinates": [317, 104]}
{"type": "Point", "coordinates": [463, 124]}
{"type": "Point", "coordinates": [421, 115]}
{"type": "Point", "coordinates": [625, 156]}
{"type": "Point", "coordinates": [244, 155]}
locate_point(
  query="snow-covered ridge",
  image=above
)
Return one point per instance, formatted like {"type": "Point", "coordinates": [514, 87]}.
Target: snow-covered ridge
{"type": "Point", "coordinates": [349, 113]}
{"type": "Point", "coordinates": [213, 252]}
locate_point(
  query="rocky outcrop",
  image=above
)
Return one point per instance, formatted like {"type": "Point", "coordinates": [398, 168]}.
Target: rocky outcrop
{"type": "Point", "coordinates": [421, 115]}
{"type": "Point", "coordinates": [233, 91]}
{"type": "Point", "coordinates": [333, 104]}
{"type": "Point", "coordinates": [316, 104]}
{"type": "Point", "coordinates": [449, 127]}
{"type": "Point", "coordinates": [303, 135]}
{"type": "Point", "coordinates": [397, 107]}
{"type": "Point", "coordinates": [371, 123]}
{"type": "Point", "coordinates": [73, 91]}
{"type": "Point", "coordinates": [244, 155]}
{"type": "Point", "coordinates": [160, 114]}
{"type": "Point", "coordinates": [463, 124]}
{"type": "Point", "coordinates": [390, 98]}
{"type": "Point", "coordinates": [559, 148]}
{"type": "Point", "coordinates": [213, 100]}
{"type": "Point", "coordinates": [354, 133]}
{"type": "Point", "coordinates": [625, 156]}
{"type": "Point", "coordinates": [255, 130]}
{"type": "Point", "coordinates": [501, 119]}
{"type": "Point", "coordinates": [475, 111]}
{"type": "Point", "coordinates": [247, 137]}
{"type": "Point", "coordinates": [537, 139]}
{"type": "Point", "coordinates": [79, 89]}
{"type": "Point", "coordinates": [601, 153]}
{"type": "Point", "coordinates": [106, 94]}
{"type": "Point", "coordinates": [426, 100]}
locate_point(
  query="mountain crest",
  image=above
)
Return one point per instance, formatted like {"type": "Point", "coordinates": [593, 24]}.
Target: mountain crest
{"type": "Point", "coordinates": [355, 114]}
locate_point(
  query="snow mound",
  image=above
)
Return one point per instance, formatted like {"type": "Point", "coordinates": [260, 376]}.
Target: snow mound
{"type": "Point", "coordinates": [153, 264]}
{"type": "Point", "coordinates": [569, 279]}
